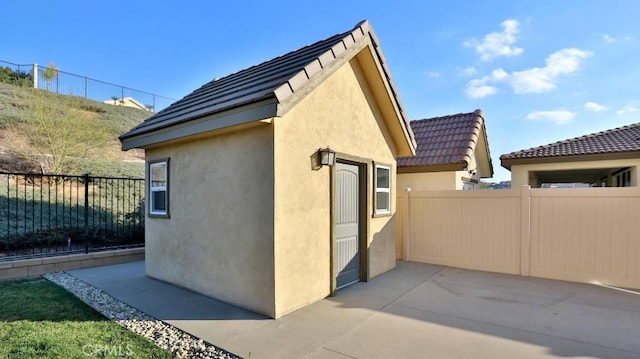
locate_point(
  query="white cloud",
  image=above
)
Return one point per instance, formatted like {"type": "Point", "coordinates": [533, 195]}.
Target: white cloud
{"type": "Point", "coordinates": [565, 61]}
{"type": "Point", "coordinates": [432, 74]}
{"type": "Point", "coordinates": [536, 79]}
{"type": "Point", "coordinates": [497, 44]}
{"type": "Point", "coordinates": [479, 88]}
{"type": "Point", "coordinates": [594, 106]}
{"type": "Point", "coordinates": [626, 109]}
{"type": "Point", "coordinates": [610, 39]}
{"type": "Point", "coordinates": [499, 74]}
{"type": "Point", "coordinates": [542, 79]}
{"type": "Point", "coordinates": [467, 71]}
{"type": "Point", "coordinates": [558, 117]}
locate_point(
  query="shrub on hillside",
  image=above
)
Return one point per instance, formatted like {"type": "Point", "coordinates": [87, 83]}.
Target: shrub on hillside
{"type": "Point", "coordinates": [16, 78]}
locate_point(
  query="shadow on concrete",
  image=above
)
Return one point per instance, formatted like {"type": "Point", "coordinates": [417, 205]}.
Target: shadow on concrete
{"type": "Point", "coordinates": [552, 318]}
{"type": "Point", "coordinates": [128, 283]}
{"type": "Point", "coordinates": [413, 311]}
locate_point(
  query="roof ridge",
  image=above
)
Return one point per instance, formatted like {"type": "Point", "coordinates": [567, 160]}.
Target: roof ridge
{"type": "Point", "coordinates": [450, 116]}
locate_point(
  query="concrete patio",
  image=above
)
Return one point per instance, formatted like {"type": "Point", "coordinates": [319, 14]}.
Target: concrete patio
{"type": "Point", "coordinates": [414, 311]}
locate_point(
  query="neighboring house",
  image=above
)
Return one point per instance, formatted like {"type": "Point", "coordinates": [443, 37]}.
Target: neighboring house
{"type": "Point", "coordinates": [452, 154]}
{"type": "Point", "coordinates": [127, 102]}
{"type": "Point", "coordinates": [609, 158]}
{"type": "Point", "coordinates": [240, 207]}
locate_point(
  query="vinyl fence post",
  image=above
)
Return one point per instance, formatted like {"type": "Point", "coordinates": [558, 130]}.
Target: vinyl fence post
{"type": "Point", "coordinates": [406, 230]}
{"type": "Point", "coordinates": [525, 230]}
{"type": "Point", "coordinates": [86, 213]}
{"type": "Point", "coordinates": [35, 76]}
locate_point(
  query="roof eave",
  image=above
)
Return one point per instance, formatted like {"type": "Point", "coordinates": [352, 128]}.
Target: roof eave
{"type": "Point", "coordinates": [482, 136]}
{"type": "Point", "coordinates": [444, 167]}
{"type": "Point", "coordinates": [409, 136]}
{"type": "Point", "coordinates": [248, 113]}
{"type": "Point", "coordinates": [508, 162]}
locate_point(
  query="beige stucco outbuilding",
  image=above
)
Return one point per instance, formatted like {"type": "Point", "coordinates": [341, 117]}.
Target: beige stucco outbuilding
{"type": "Point", "coordinates": [241, 208]}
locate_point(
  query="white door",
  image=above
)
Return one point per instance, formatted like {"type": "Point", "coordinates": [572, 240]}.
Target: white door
{"type": "Point", "coordinates": [347, 261]}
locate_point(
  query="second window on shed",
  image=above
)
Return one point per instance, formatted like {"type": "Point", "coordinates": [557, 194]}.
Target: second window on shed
{"type": "Point", "coordinates": [383, 190]}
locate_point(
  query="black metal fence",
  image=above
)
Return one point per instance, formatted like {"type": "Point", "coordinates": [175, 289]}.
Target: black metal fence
{"type": "Point", "coordinates": [43, 215]}
{"type": "Point", "coordinates": [65, 83]}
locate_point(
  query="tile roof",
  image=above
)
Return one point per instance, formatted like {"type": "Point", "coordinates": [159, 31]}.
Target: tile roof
{"type": "Point", "coordinates": [447, 141]}
{"type": "Point", "coordinates": [275, 80]}
{"type": "Point", "coordinates": [614, 141]}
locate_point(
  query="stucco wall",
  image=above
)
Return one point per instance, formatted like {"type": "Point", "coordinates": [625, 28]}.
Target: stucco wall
{"type": "Point", "coordinates": [340, 115]}
{"type": "Point", "coordinates": [219, 239]}
{"type": "Point", "coordinates": [441, 181]}
{"type": "Point", "coordinates": [427, 181]}
{"type": "Point", "coordinates": [520, 173]}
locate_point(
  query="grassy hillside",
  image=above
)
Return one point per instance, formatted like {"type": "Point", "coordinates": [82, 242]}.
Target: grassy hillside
{"type": "Point", "coordinates": [21, 111]}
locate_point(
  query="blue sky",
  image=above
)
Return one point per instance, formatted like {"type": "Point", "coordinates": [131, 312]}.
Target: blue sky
{"type": "Point", "coordinates": [541, 71]}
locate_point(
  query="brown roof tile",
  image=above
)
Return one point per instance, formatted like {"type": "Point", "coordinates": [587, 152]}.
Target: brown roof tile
{"type": "Point", "coordinates": [275, 80]}
{"type": "Point", "coordinates": [445, 141]}
{"type": "Point", "coordinates": [617, 140]}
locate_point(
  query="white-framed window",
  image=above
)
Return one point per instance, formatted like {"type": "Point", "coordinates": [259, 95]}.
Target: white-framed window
{"type": "Point", "coordinates": [383, 189]}
{"type": "Point", "coordinates": [159, 188]}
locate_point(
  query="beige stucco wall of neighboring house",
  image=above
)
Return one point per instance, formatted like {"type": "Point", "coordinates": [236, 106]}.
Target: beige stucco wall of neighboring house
{"type": "Point", "coordinates": [341, 113]}
{"type": "Point", "coordinates": [219, 239]}
{"type": "Point", "coordinates": [464, 177]}
{"type": "Point", "coordinates": [127, 102]}
{"type": "Point", "coordinates": [436, 181]}
{"type": "Point", "coordinates": [524, 174]}
{"type": "Point", "coordinates": [441, 181]}
{"type": "Point", "coordinates": [427, 181]}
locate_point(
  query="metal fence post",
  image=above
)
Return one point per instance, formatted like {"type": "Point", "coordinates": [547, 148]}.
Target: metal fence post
{"type": "Point", "coordinates": [31, 229]}
{"type": "Point", "coordinates": [86, 213]}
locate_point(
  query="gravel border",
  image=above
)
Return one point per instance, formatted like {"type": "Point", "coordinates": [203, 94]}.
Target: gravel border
{"type": "Point", "coordinates": [165, 336]}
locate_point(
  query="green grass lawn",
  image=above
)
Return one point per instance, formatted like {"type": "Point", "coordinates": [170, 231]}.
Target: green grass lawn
{"type": "Point", "coordinates": [38, 319]}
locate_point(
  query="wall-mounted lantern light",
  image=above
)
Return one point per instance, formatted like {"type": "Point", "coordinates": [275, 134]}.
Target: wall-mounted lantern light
{"type": "Point", "coordinates": [324, 157]}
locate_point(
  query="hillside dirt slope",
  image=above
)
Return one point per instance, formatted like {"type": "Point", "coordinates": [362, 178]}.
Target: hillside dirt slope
{"type": "Point", "coordinates": [20, 108]}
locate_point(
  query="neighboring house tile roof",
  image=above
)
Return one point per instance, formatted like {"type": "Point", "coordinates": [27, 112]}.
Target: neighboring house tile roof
{"type": "Point", "coordinates": [445, 143]}
{"type": "Point", "coordinates": [273, 82]}
{"type": "Point", "coordinates": [610, 142]}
